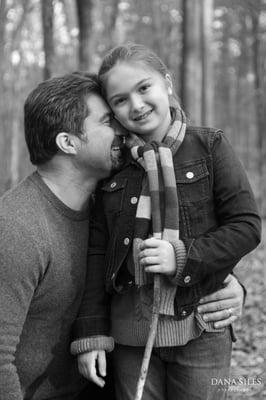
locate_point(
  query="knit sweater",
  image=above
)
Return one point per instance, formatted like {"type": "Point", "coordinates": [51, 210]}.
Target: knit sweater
{"type": "Point", "coordinates": [131, 319]}
{"type": "Point", "coordinates": [43, 252]}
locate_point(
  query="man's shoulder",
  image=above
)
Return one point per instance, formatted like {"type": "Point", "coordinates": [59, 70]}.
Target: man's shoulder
{"type": "Point", "coordinates": [20, 204]}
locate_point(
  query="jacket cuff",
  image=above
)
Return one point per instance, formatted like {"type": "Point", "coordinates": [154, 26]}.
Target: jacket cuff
{"type": "Point", "coordinates": [92, 343]}
{"type": "Point", "coordinates": [180, 255]}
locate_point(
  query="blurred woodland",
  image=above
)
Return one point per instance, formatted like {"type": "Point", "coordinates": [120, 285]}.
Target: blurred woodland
{"type": "Point", "coordinates": [216, 52]}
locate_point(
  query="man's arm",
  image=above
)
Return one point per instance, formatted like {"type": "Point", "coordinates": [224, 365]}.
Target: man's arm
{"type": "Point", "coordinates": [19, 277]}
{"type": "Point", "coordinates": [225, 305]}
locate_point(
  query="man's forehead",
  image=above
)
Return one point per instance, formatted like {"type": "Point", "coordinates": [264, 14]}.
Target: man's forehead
{"type": "Point", "coordinates": [97, 104]}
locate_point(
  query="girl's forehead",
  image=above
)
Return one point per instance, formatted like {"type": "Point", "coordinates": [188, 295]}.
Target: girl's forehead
{"type": "Point", "coordinates": [120, 73]}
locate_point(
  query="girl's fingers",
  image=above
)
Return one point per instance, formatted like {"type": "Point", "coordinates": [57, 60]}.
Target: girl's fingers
{"type": "Point", "coordinates": [148, 253]}
{"type": "Point", "coordinates": [155, 269]}
{"type": "Point", "coordinates": [102, 363]}
{"type": "Point", "coordinates": [149, 261]}
{"type": "Point", "coordinates": [151, 242]}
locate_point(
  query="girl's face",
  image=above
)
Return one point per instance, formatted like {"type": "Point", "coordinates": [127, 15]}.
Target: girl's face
{"type": "Point", "coordinates": [138, 96]}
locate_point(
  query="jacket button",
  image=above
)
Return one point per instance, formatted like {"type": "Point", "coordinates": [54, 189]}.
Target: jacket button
{"type": "Point", "coordinates": [133, 200]}
{"type": "Point", "coordinates": [189, 175]}
{"type": "Point", "coordinates": [113, 276]}
{"type": "Point", "coordinates": [183, 313]}
{"type": "Point", "coordinates": [187, 279]}
{"type": "Point", "coordinates": [126, 241]}
{"type": "Point", "coordinates": [113, 184]}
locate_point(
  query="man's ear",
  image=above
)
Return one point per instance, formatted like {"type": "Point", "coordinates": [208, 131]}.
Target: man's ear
{"type": "Point", "coordinates": [66, 143]}
{"type": "Point", "coordinates": [169, 84]}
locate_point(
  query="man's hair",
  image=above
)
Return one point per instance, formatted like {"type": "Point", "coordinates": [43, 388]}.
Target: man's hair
{"type": "Point", "coordinates": [56, 105]}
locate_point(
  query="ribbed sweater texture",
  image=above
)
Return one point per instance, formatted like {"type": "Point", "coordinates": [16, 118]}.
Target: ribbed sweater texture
{"type": "Point", "coordinates": [43, 252]}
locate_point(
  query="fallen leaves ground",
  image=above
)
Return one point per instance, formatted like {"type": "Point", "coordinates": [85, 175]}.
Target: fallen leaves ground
{"type": "Point", "coordinates": [249, 352]}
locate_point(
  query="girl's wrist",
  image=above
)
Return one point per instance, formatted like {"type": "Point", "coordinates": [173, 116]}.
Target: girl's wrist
{"type": "Point", "coordinates": [180, 256]}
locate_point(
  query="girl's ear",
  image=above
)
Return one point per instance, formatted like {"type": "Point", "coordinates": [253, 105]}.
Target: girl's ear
{"type": "Point", "coordinates": [66, 143]}
{"type": "Point", "coordinates": [169, 84]}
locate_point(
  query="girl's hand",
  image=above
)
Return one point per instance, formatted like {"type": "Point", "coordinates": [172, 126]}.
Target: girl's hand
{"type": "Point", "coordinates": [157, 256]}
{"type": "Point", "coordinates": [92, 365]}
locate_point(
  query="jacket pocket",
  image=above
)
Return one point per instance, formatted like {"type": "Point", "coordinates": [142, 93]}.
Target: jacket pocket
{"type": "Point", "coordinates": [114, 192]}
{"type": "Point", "coordinates": [192, 180]}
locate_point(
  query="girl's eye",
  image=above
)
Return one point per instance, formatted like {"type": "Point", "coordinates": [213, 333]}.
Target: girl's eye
{"type": "Point", "coordinates": [119, 101]}
{"type": "Point", "coordinates": [144, 88]}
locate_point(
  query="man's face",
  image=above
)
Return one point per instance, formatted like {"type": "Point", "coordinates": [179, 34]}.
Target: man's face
{"type": "Point", "coordinates": [99, 149]}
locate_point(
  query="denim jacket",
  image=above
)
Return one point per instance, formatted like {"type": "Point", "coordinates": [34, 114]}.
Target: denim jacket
{"type": "Point", "coordinates": [219, 224]}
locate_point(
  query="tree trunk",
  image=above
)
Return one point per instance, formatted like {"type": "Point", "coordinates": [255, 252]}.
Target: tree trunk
{"type": "Point", "coordinates": [191, 66]}
{"type": "Point", "coordinates": [157, 28]}
{"type": "Point", "coordinates": [84, 10]}
{"type": "Point", "coordinates": [260, 106]}
{"type": "Point", "coordinates": [3, 14]}
{"type": "Point", "coordinates": [70, 15]}
{"type": "Point", "coordinates": [48, 36]}
{"type": "Point", "coordinates": [112, 25]}
{"type": "Point", "coordinates": [207, 106]}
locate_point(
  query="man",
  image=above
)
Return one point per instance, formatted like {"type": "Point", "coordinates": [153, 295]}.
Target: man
{"type": "Point", "coordinates": [43, 242]}
{"type": "Point", "coordinates": [44, 236]}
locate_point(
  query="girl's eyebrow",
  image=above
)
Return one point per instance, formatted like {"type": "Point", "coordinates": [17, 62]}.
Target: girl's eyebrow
{"type": "Point", "coordinates": [121, 94]}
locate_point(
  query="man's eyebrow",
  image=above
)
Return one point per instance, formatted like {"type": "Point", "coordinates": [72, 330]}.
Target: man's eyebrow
{"type": "Point", "coordinates": [137, 84]}
{"type": "Point", "coordinates": [108, 114]}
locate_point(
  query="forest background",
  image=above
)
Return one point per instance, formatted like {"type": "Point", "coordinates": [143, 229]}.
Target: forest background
{"type": "Point", "coordinates": [216, 52]}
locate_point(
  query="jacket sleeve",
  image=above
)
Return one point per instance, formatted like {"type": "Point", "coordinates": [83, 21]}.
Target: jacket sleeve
{"type": "Point", "coordinates": [19, 276]}
{"type": "Point", "coordinates": [93, 320]}
{"type": "Point", "coordinates": [239, 230]}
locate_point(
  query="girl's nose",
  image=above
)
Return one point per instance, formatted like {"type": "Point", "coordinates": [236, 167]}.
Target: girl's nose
{"type": "Point", "coordinates": [136, 103]}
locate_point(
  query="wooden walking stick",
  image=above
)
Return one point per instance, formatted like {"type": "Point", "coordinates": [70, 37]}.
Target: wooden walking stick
{"type": "Point", "coordinates": [151, 337]}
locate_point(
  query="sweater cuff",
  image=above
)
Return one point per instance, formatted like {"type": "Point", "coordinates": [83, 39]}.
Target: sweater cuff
{"type": "Point", "coordinates": [92, 343]}
{"type": "Point", "coordinates": [168, 292]}
{"type": "Point", "coordinates": [181, 255]}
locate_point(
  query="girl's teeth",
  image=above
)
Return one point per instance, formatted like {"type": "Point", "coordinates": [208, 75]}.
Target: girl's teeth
{"type": "Point", "coordinates": [143, 116]}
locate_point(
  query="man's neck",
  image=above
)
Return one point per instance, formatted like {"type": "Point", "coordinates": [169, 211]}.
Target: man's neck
{"type": "Point", "coordinates": [69, 186]}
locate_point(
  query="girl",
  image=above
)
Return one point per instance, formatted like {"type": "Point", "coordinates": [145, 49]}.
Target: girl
{"type": "Point", "coordinates": [181, 207]}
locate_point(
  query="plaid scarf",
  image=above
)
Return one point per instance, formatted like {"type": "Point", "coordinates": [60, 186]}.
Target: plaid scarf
{"type": "Point", "coordinates": [158, 202]}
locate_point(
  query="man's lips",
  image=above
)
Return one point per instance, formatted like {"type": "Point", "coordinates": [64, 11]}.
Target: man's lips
{"type": "Point", "coordinates": [117, 143]}
{"type": "Point", "coordinates": [118, 149]}
{"type": "Point", "coordinates": [143, 116]}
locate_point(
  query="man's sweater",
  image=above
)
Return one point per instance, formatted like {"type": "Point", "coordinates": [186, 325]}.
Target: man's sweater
{"type": "Point", "coordinates": [43, 252]}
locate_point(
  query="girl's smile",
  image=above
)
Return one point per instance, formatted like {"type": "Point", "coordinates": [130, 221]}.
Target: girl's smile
{"type": "Point", "coordinates": [143, 116]}
{"type": "Point", "coordinates": [138, 96]}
